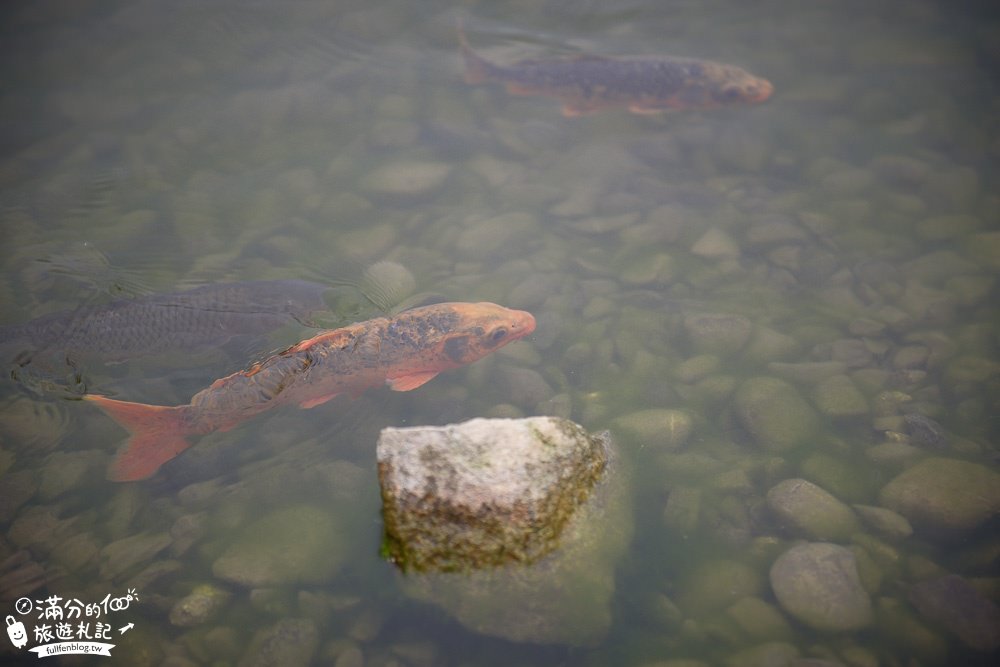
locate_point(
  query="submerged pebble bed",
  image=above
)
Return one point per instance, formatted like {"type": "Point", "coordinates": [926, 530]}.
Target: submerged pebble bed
{"type": "Point", "coordinates": [785, 314]}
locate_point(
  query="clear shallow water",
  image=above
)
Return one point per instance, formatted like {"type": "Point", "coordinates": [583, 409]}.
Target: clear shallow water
{"type": "Point", "coordinates": [851, 219]}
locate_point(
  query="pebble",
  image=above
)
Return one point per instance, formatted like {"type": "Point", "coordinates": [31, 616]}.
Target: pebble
{"type": "Point", "coordinates": [717, 333]}
{"type": "Point", "coordinates": [300, 544]}
{"type": "Point", "coordinates": [665, 428]}
{"type": "Point", "coordinates": [944, 497]}
{"type": "Point", "coordinates": [410, 179]}
{"type": "Point", "coordinates": [818, 584]}
{"type": "Point", "coordinates": [955, 604]}
{"type": "Point", "coordinates": [890, 525]}
{"type": "Point", "coordinates": [810, 511]}
{"type": "Point", "coordinates": [774, 413]}
{"type": "Point", "coordinates": [288, 643]}
{"type": "Point", "coordinates": [123, 555]}
{"type": "Point", "coordinates": [837, 396]}
{"type": "Point", "coordinates": [716, 244]}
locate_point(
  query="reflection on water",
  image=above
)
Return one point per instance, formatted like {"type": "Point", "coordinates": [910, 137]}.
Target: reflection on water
{"type": "Point", "coordinates": [785, 314]}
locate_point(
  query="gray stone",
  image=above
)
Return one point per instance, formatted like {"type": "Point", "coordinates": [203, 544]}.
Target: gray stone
{"type": "Point", "coordinates": [406, 178]}
{"type": "Point", "coordinates": [716, 244]}
{"type": "Point", "coordinates": [773, 412]}
{"type": "Point", "coordinates": [944, 497]}
{"type": "Point", "coordinates": [288, 643]}
{"type": "Point", "coordinates": [120, 556]}
{"type": "Point", "coordinates": [656, 427]}
{"type": "Point", "coordinates": [838, 397]}
{"type": "Point", "coordinates": [888, 524]}
{"type": "Point", "coordinates": [955, 604]}
{"type": "Point", "coordinates": [810, 511]}
{"type": "Point", "coordinates": [818, 584]}
{"type": "Point", "coordinates": [65, 471]}
{"type": "Point", "coordinates": [301, 544]}
{"type": "Point", "coordinates": [769, 654]}
{"type": "Point", "coordinates": [716, 584]}
{"type": "Point", "coordinates": [717, 333]}
{"type": "Point", "coordinates": [199, 606]}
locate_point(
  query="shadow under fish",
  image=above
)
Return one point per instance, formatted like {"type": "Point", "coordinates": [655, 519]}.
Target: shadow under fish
{"type": "Point", "coordinates": [642, 84]}
{"type": "Point", "coordinates": [191, 321]}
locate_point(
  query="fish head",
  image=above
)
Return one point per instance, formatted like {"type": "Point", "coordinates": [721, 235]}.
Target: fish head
{"type": "Point", "coordinates": [732, 85]}
{"type": "Point", "coordinates": [480, 329]}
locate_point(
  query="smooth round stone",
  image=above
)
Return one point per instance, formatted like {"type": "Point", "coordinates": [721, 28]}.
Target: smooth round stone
{"type": "Point", "coordinates": [811, 511]}
{"type": "Point", "coordinates": [769, 654]}
{"type": "Point", "coordinates": [818, 584]}
{"type": "Point", "coordinates": [480, 240]}
{"type": "Point", "coordinates": [944, 497]}
{"type": "Point", "coordinates": [716, 244]}
{"type": "Point", "coordinates": [808, 372]}
{"type": "Point", "coordinates": [717, 333]}
{"type": "Point", "coordinates": [717, 584]}
{"type": "Point", "coordinates": [985, 248]}
{"type": "Point", "coordinates": [758, 619]}
{"type": "Point", "coordinates": [406, 178]}
{"type": "Point", "coordinates": [773, 412]}
{"type": "Point", "coordinates": [890, 525]}
{"type": "Point", "coordinates": [683, 509]}
{"type": "Point", "coordinates": [852, 352]}
{"type": "Point", "coordinates": [294, 545]}
{"type": "Point", "coordinates": [664, 428]}
{"type": "Point", "coordinates": [697, 368]}
{"type": "Point", "coordinates": [199, 606]}
{"type": "Point", "coordinates": [838, 397]}
{"type": "Point", "coordinates": [658, 268]}
{"type": "Point", "coordinates": [941, 227]}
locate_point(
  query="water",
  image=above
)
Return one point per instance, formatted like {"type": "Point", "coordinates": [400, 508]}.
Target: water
{"type": "Point", "coordinates": [841, 238]}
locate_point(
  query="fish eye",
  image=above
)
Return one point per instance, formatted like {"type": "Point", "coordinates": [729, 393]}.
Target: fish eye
{"type": "Point", "coordinates": [498, 334]}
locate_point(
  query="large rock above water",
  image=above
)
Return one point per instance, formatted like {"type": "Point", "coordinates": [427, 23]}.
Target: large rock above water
{"type": "Point", "coordinates": [818, 584]}
{"type": "Point", "coordinates": [944, 497]}
{"type": "Point", "coordinates": [514, 526]}
{"type": "Point", "coordinates": [485, 492]}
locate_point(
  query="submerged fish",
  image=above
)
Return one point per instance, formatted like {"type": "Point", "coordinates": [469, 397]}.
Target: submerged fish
{"type": "Point", "coordinates": [642, 84]}
{"type": "Point", "coordinates": [405, 352]}
{"type": "Point", "coordinates": [195, 319]}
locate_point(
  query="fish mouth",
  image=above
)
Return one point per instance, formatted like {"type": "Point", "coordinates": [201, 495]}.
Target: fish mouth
{"type": "Point", "coordinates": [760, 91]}
{"type": "Point", "coordinates": [524, 324]}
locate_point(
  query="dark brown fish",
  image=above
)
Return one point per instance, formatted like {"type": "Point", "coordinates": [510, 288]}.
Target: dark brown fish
{"type": "Point", "coordinates": [643, 84]}
{"type": "Point", "coordinates": [404, 352]}
{"type": "Point", "coordinates": [192, 320]}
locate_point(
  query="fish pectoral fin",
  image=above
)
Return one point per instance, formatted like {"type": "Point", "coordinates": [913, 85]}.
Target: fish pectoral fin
{"type": "Point", "coordinates": [408, 382]}
{"type": "Point", "coordinates": [646, 110]}
{"type": "Point", "coordinates": [313, 402]}
{"type": "Point", "coordinates": [574, 108]}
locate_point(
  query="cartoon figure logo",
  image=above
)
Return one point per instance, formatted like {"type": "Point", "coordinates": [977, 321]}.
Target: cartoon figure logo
{"type": "Point", "coordinates": [15, 630]}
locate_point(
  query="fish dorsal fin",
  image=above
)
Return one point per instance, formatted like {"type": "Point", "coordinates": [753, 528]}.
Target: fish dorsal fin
{"type": "Point", "coordinates": [335, 337]}
{"type": "Point", "coordinates": [412, 381]}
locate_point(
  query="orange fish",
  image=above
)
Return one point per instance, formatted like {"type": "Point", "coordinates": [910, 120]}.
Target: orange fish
{"type": "Point", "coordinates": [405, 352]}
{"type": "Point", "coordinates": [643, 84]}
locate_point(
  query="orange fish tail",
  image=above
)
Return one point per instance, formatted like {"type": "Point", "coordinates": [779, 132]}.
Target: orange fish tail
{"type": "Point", "coordinates": [158, 435]}
{"type": "Point", "coordinates": [477, 69]}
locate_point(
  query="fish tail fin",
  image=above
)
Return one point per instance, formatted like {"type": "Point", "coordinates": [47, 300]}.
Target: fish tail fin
{"type": "Point", "coordinates": [158, 435]}
{"type": "Point", "coordinates": [477, 69]}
